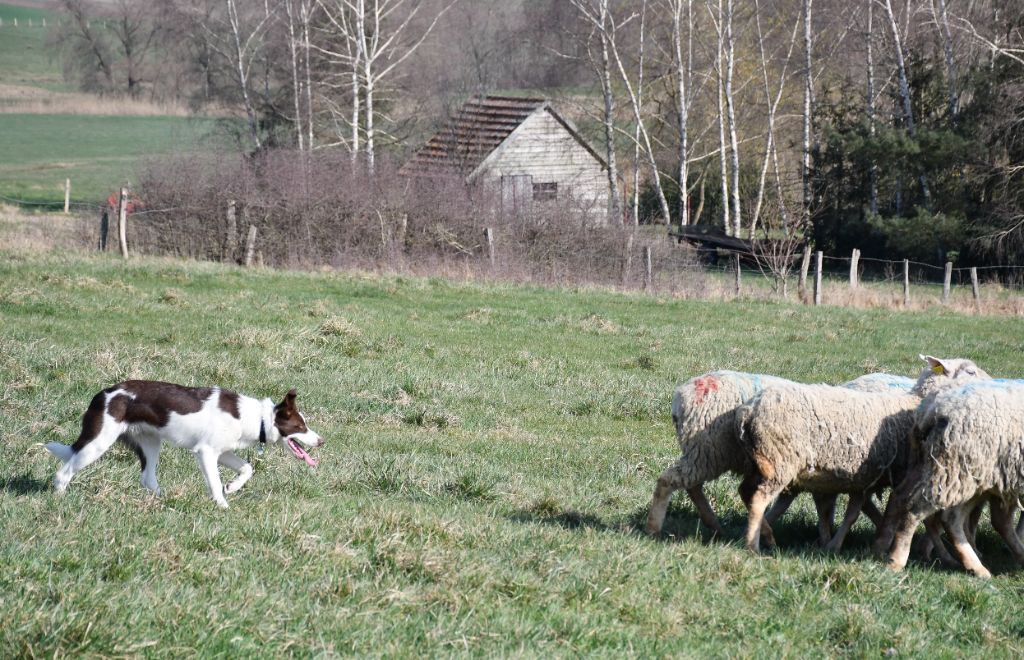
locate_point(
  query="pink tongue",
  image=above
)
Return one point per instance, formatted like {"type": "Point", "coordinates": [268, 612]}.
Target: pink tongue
{"type": "Point", "coordinates": [301, 453]}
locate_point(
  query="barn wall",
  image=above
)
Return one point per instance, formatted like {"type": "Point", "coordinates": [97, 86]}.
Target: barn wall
{"type": "Point", "coordinates": [544, 150]}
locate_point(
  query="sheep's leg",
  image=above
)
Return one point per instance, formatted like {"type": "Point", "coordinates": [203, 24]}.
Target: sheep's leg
{"type": "Point", "coordinates": [971, 523]}
{"type": "Point", "coordinates": [953, 520]}
{"type": "Point", "coordinates": [853, 509]}
{"type": "Point", "coordinates": [895, 510]}
{"type": "Point", "coordinates": [933, 541]}
{"type": "Point", "coordinates": [669, 482]}
{"type": "Point", "coordinates": [704, 510]}
{"type": "Point", "coordinates": [872, 512]}
{"type": "Point", "coordinates": [902, 538]}
{"type": "Point", "coordinates": [1020, 525]}
{"type": "Point", "coordinates": [825, 505]}
{"type": "Point", "coordinates": [782, 504]}
{"type": "Point", "coordinates": [1002, 520]}
{"type": "Point", "coordinates": [748, 487]}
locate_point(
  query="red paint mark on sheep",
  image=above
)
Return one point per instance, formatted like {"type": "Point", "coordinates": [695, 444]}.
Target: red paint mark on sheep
{"type": "Point", "coordinates": [704, 386]}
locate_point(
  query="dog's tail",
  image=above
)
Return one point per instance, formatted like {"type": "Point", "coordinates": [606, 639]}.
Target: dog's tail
{"type": "Point", "coordinates": [63, 452]}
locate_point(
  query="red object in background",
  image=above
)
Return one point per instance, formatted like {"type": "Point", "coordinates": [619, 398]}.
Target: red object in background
{"type": "Point", "coordinates": [132, 205]}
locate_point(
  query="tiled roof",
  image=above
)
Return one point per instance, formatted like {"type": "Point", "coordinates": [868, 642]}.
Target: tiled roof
{"type": "Point", "coordinates": [481, 125]}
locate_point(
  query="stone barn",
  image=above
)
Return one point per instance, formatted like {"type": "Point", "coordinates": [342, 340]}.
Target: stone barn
{"type": "Point", "coordinates": [521, 147]}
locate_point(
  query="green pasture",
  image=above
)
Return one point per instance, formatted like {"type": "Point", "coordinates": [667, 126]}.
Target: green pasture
{"type": "Point", "coordinates": [491, 453]}
{"type": "Point", "coordinates": [25, 57]}
{"type": "Point", "coordinates": [98, 153]}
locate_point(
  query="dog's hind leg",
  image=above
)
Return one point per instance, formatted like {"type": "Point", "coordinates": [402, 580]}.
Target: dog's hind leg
{"type": "Point", "coordinates": [241, 467]}
{"type": "Point", "coordinates": [148, 450]}
{"type": "Point", "coordinates": [88, 449]}
{"type": "Point", "coordinates": [207, 459]}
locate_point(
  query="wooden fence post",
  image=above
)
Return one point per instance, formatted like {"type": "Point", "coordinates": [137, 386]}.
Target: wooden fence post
{"type": "Point", "coordinates": [231, 239]}
{"type": "Point", "coordinates": [627, 263]}
{"type": "Point", "coordinates": [648, 269]}
{"type": "Point", "coordinates": [122, 222]}
{"type": "Point", "coordinates": [67, 195]}
{"type": "Point", "coordinates": [818, 257]}
{"type": "Point", "coordinates": [975, 289]}
{"type": "Point", "coordinates": [906, 282]}
{"type": "Point", "coordinates": [805, 265]}
{"type": "Point", "coordinates": [854, 274]}
{"type": "Point", "coordinates": [104, 227]}
{"type": "Point", "coordinates": [946, 280]}
{"type": "Point", "coordinates": [250, 245]}
{"type": "Point", "coordinates": [489, 237]}
{"type": "Point", "coordinates": [739, 273]}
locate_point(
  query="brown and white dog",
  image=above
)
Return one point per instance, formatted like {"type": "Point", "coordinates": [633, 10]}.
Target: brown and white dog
{"type": "Point", "coordinates": [211, 422]}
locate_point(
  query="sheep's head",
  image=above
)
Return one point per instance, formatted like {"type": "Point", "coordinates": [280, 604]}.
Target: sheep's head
{"type": "Point", "coordinates": [940, 373]}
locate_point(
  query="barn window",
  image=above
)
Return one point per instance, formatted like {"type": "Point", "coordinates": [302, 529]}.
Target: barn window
{"type": "Point", "coordinates": [545, 191]}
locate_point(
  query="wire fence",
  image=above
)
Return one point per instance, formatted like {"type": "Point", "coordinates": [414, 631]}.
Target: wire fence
{"type": "Point", "coordinates": [539, 251]}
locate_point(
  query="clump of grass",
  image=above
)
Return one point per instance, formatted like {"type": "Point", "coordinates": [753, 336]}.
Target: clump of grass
{"type": "Point", "coordinates": [172, 296]}
{"type": "Point", "coordinates": [337, 326]}
{"type": "Point", "coordinates": [471, 487]}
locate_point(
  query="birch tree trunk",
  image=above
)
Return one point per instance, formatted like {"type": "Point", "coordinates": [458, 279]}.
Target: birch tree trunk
{"type": "Point", "coordinates": [640, 102]}
{"type": "Point", "coordinates": [683, 74]}
{"type": "Point", "coordinates": [904, 86]}
{"type": "Point", "coordinates": [293, 49]}
{"type": "Point", "coordinates": [771, 151]}
{"type": "Point", "coordinates": [942, 20]}
{"type": "Point", "coordinates": [730, 54]}
{"type": "Point", "coordinates": [719, 65]}
{"type": "Point", "coordinates": [805, 170]}
{"type": "Point", "coordinates": [614, 193]}
{"type": "Point", "coordinates": [873, 168]}
{"type": "Point", "coordinates": [306, 16]}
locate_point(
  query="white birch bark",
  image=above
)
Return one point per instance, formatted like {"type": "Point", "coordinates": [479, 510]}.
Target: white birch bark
{"type": "Point", "coordinates": [942, 20]}
{"type": "Point", "coordinates": [904, 86]}
{"type": "Point", "coordinates": [873, 168]}
{"type": "Point", "coordinates": [719, 66]}
{"type": "Point", "coordinates": [293, 49]}
{"type": "Point", "coordinates": [730, 56]}
{"type": "Point", "coordinates": [805, 170]}
{"type": "Point", "coordinates": [683, 75]}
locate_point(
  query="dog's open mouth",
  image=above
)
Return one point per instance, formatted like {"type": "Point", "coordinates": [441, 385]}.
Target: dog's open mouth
{"type": "Point", "coordinates": [300, 453]}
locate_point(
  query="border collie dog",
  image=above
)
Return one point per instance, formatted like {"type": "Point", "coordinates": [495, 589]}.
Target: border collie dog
{"type": "Point", "coordinates": [211, 422]}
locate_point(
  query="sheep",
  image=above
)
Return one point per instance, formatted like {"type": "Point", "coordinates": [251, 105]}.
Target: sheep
{"type": "Point", "coordinates": [968, 448]}
{"type": "Point", "coordinates": [702, 411]}
{"type": "Point", "coordinates": [831, 440]}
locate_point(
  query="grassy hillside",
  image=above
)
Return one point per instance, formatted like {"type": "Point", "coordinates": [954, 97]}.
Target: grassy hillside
{"type": "Point", "coordinates": [98, 153]}
{"type": "Point", "coordinates": [491, 452]}
{"type": "Point", "coordinates": [50, 132]}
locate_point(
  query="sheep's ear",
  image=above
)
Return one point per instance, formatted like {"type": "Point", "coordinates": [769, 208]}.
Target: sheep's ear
{"type": "Point", "coordinates": [937, 365]}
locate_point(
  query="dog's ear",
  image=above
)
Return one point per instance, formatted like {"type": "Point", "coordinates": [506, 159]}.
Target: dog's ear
{"type": "Point", "coordinates": [288, 403]}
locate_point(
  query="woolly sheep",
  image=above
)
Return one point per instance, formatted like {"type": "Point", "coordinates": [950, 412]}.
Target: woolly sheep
{"type": "Point", "coordinates": [826, 439]}
{"type": "Point", "coordinates": [702, 411]}
{"type": "Point", "coordinates": [968, 449]}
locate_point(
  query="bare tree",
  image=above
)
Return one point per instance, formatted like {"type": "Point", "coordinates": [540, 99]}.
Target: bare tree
{"type": "Point", "coordinates": [683, 74]}
{"type": "Point", "coordinates": [904, 85]}
{"type": "Point", "coordinates": [382, 31]}
{"type": "Point", "coordinates": [805, 169]}
{"type": "Point", "coordinates": [941, 18]}
{"type": "Point", "coordinates": [771, 150]}
{"type": "Point", "coordinates": [873, 168]}
{"type": "Point", "coordinates": [596, 13]}
{"type": "Point", "coordinates": [718, 19]}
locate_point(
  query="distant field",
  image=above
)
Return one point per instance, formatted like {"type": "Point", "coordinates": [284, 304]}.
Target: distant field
{"type": "Point", "coordinates": [37, 152]}
{"type": "Point", "coordinates": [491, 453]}
{"type": "Point", "coordinates": [25, 59]}
{"type": "Point", "coordinates": [49, 132]}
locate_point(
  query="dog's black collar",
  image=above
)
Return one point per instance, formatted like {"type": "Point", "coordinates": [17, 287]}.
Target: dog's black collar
{"type": "Point", "coordinates": [263, 432]}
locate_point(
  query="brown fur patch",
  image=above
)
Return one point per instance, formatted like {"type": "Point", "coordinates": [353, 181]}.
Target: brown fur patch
{"type": "Point", "coordinates": [228, 402]}
{"type": "Point", "coordinates": [287, 418]}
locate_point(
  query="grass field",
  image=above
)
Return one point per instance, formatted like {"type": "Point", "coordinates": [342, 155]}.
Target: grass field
{"type": "Point", "coordinates": [51, 133]}
{"type": "Point", "coordinates": [491, 452]}
{"type": "Point", "coordinates": [98, 153]}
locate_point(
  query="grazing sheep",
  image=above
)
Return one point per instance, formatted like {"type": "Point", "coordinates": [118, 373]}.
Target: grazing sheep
{"type": "Point", "coordinates": [831, 440]}
{"type": "Point", "coordinates": [968, 448]}
{"type": "Point", "coordinates": [702, 411]}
